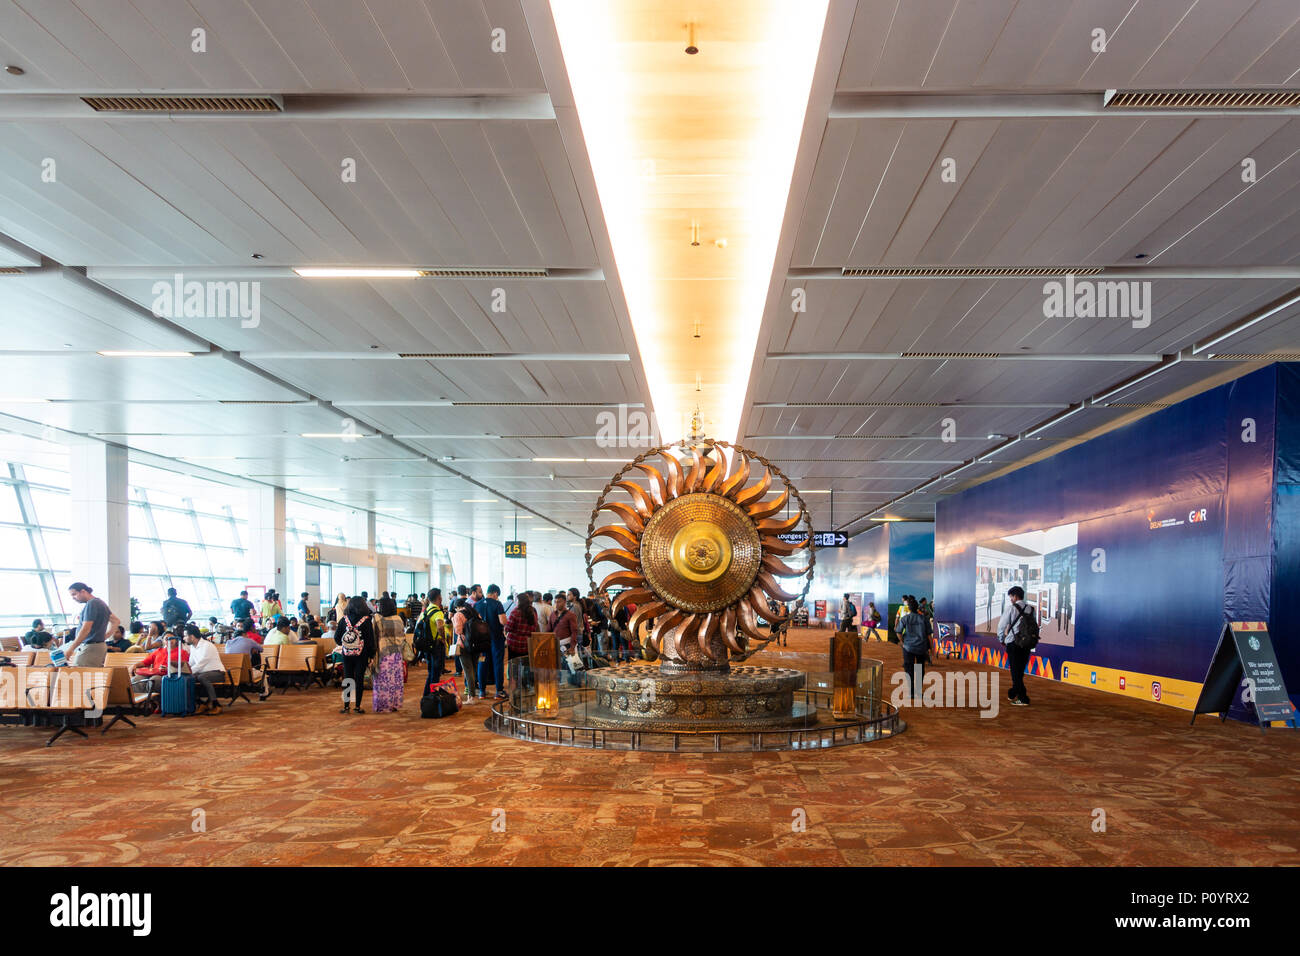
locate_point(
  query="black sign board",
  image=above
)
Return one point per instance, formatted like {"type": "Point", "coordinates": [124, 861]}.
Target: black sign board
{"type": "Point", "coordinates": [516, 549]}
{"type": "Point", "coordinates": [1245, 652]}
{"type": "Point", "coordinates": [312, 577]}
{"type": "Point", "coordinates": [821, 539]}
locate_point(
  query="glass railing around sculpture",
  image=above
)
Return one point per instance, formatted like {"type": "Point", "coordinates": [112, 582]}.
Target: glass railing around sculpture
{"type": "Point", "coordinates": [635, 706]}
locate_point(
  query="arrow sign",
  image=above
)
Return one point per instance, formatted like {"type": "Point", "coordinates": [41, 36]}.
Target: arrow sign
{"type": "Point", "coordinates": [821, 539]}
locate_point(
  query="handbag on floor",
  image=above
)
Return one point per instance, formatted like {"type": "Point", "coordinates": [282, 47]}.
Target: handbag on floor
{"type": "Point", "coordinates": [439, 701]}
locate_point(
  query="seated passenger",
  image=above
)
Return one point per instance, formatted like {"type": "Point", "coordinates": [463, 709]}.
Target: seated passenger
{"type": "Point", "coordinates": [147, 673]}
{"type": "Point", "coordinates": [245, 644]}
{"type": "Point", "coordinates": [38, 638]}
{"type": "Point", "coordinates": [206, 666]}
{"type": "Point", "coordinates": [119, 641]}
{"type": "Point", "coordinates": [281, 633]}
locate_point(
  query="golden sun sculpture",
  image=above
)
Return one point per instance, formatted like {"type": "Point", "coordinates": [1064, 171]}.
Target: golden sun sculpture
{"type": "Point", "coordinates": [701, 550]}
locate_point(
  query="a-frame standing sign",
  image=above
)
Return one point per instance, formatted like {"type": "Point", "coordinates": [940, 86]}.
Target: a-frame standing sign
{"type": "Point", "coordinates": [1245, 650]}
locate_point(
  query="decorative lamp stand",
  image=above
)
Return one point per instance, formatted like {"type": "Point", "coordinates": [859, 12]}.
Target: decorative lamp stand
{"type": "Point", "coordinates": [544, 658]}
{"type": "Point", "coordinates": [846, 656]}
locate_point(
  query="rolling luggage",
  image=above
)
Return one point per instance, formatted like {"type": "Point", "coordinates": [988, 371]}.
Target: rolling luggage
{"type": "Point", "coordinates": [177, 697]}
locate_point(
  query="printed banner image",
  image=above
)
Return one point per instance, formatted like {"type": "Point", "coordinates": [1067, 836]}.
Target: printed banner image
{"type": "Point", "coordinates": [1045, 564]}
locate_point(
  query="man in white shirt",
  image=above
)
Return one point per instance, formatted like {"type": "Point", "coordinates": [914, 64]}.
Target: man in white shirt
{"type": "Point", "coordinates": [206, 666]}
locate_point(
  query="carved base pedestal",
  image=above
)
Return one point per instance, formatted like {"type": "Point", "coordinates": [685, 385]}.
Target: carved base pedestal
{"type": "Point", "coordinates": [633, 697]}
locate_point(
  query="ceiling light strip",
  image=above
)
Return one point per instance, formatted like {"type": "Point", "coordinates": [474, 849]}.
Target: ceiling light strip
{"type": "Point", "coordinates": [746, 96]}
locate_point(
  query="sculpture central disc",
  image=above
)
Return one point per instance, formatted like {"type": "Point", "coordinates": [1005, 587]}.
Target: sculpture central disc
{"type": "Point", "coordinates": [700, 552]}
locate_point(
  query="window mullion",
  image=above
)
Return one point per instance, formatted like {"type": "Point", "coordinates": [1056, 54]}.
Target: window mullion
{"type": "Point", "coordinates": [36, 540]}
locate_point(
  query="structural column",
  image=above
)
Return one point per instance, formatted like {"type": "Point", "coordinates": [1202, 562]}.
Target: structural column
{"type": "Point", "coordinates": [267, 563]}
{"type": "Point", "coordinates": [99, 525]}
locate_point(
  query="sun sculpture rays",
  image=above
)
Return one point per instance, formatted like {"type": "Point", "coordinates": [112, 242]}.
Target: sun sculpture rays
{"type": "Point", "coordinates": [701, 550]}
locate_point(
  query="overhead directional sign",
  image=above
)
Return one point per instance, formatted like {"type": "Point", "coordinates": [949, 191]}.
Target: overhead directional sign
{"type": "Point", "coordinates": [821, 539]}
{"type": "Point", "coordinates": [516, 549]}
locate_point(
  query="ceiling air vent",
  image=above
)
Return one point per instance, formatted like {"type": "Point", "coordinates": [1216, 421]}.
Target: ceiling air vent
{"type": "Point", "coordinates": [534, 405]}
{"type": "Point", "coordinates": [182, 104]}
{"type": "Point", "coordinates": [1137, 404]}
{"type": "Point", "coordinates": [969, 272]}
{"type": "Point", "coordinates": [483, 273]}
{"type": "Point", "coordinates": [262, 401]}
{"type": "Point", "coordinates": [951, 355]}
{"type": "Point", "coordinates": [446, 355]}
{"type": "Point", "coordinates": [1202, 99]}
{"type": "Point", "coordinates": [1248, 357]}
{"type": "Point", "coordinates": [859, 405]}
{"type": "Point", "coordinates": [9, 271]}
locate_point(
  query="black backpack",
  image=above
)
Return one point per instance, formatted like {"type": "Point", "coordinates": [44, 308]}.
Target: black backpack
{"type": "Point", "coordinates": [1026, 637]}
{"type": "Point", "coordinates": [425, 638]}
{"type": "Point", "coordinates": [478, 635]}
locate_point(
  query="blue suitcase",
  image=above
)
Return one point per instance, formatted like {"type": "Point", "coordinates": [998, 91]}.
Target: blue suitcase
{"type": "Point", "coordinates": [177, 698]}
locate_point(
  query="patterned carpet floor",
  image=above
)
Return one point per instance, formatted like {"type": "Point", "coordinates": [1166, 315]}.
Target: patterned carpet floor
{"type": "Point", "coordinates": [291, 781]}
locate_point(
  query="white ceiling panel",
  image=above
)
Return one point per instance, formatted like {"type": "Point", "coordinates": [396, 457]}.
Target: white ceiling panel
{"type": "Point", "coordinates": [276, 45]}
{"type": "Point", "coordinates": [1029, 44]}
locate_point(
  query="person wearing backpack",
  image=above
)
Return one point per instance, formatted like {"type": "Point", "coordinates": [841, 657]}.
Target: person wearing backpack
{"type": "Point", "coordinates": [471, 636]}
{"type": "Point", "coordinates": [431, 636]}
{"type": "Point", "coordinates": [176, 612]}
{"type": "Point", "coordinates": [914, 628]}
{"type": "Point", "coordinates": [356, 642]}
{"type": "Point", "coordinates": [873, 621]}
{"type": "Point", "coordinates": [849, 615]}
{"type": "Point", "coordinates": [1018, 631]}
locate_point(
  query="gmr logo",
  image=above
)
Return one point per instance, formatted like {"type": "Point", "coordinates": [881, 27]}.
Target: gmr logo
{"type": "Point", "coordinates": [1195, 516]}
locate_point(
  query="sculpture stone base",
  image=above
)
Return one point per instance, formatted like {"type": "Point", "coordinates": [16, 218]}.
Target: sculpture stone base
{"type": "Point", "coordinates": [635, 697]}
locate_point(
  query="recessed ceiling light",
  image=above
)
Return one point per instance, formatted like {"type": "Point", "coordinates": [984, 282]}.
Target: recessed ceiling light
{"type": "Point", "coordinates": [139, 353]}
{"type": "Point", "coordinates": [356, 273]}
{"type": "Point", "coordinates": [1140, 255]}
{"type": "Point", "coordinates": [258, 255]}
{"type": "Point", "coordinates": [15, 70]}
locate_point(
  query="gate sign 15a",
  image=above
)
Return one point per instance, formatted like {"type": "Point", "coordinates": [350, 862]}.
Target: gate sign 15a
{"type": "Point", "coordinates": [821, 539]}
{"type": "Point", "coordinates": [516, 549]}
